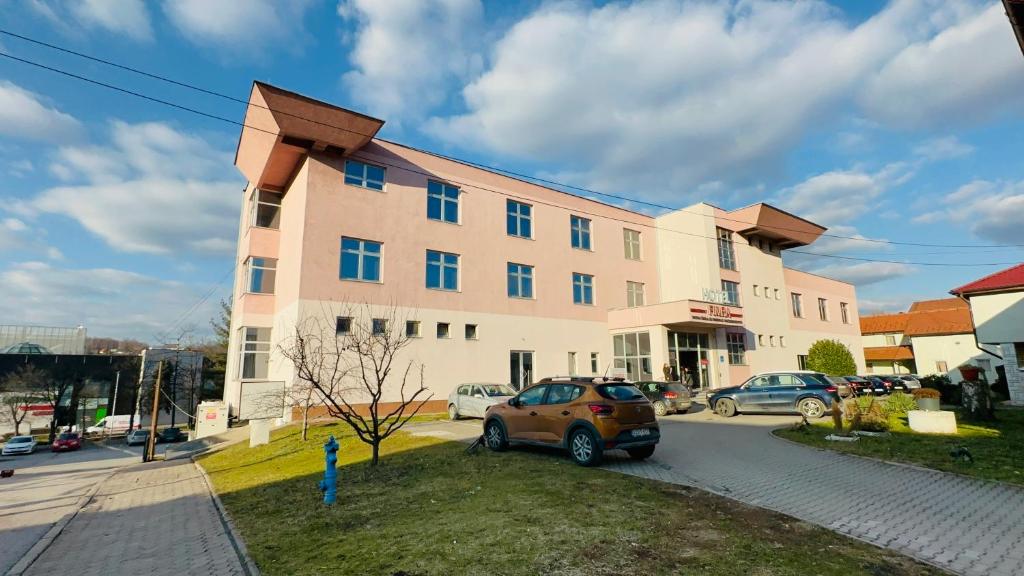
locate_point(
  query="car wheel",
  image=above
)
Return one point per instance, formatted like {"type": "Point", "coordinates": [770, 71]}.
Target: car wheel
{"type": "Point", "coordinates": [811, 408]}
{"type": "Point", "coordinates": [494, 435]}
{"type": "Point", "coordinates": [725, 408]}
{"type": "Point", "coordinates": [641, 453]}
{"type": "Point", "coordinates": [584, 449]}
{"type": "Point", "coordinates": [659, 408]}
{"type": "Point", "coordinates": [453, 412]}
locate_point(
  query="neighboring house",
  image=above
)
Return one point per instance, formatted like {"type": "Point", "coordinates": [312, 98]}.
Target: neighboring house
{"type": "Point", "coordinates": [932, 337]}
{"type": "Point", "coordinates": [508, 281]}
{"type": "Point", "coordinates": [997, 308]}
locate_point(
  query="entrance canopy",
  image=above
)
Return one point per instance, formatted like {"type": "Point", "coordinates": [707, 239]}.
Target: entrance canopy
{"type": "Point", "coordinates": [680, 313]}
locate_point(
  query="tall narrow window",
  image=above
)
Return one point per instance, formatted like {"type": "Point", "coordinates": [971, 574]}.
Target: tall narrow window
{"type": "Point", "coordinates": [442, 270]}
{"type": "Point", "coordinates": [737, 348]}
{"type": "Point", "coordinates": [255, 353]}
{"type": "Point", "coordinates": [582, 288]}
{"type": "Point", "coordinates": [595, 363]}
{"type": "Point", "coordinates": [360, 260]}
{"type": "Point", "coordinates": [732, 292]}
{"type": "Point", "coordinates": [365, 175]}
{"type": "Point", "coordinates": [634, 294]}
{"type": "Point", "coordinates": [726, 254]}
{"type": "Point", "coordinates": [442, 202]}
{"type": "Point", "coordinates": [631, 243]}
{"type": "Point", "coordinates": [844, 310]}
{"type": "Point", "coordinates": [520, 280]}
{"type": "Point", "coordinates": [823, 308]}
{"type": "Point", "coordinates": [519, 219]}
{"type": "Point", "coordinates": [262, 273]}
{"type": "Point", "coordinates": [798, 304]}
{"type": "Point", "coordinates": [580, 232]}
{"type": "Point", "coordinates": [266, 209]}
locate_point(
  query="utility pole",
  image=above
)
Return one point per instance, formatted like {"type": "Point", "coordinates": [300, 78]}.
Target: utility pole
{"type": "Point", "coordinates": [148, 454]}
{"type": "Point", "coordinates": [137, 401]}
{"type": "Point", "coordinates": [117, 380]}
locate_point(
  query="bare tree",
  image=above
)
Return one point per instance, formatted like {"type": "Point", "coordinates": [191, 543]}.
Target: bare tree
{"type": "Point", "coordinates": [351, 369]}
{"type": "Point", "coordinates": [18, 390]}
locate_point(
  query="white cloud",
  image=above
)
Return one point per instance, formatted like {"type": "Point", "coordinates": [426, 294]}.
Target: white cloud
{"type": "Point", "coordinates": [841, 196]}
{"type": "Point", "coordinates": [23, 114]}
{"type": "Point", "coordinates": [17, 236]}
{"type": "Point", "coordinates": [252, 27]}
{"type": "Point", "coordinates": [970, 71]}
{"type": "Point", "coordinates": [127, 17]}
{"type": "Point", "coordinates": [885, 305]}
{"type": "Point", "coordinates": [992, 211]}
{"type": "Point", "coordinates": [945, 148]}
{"type": "Point", "coordinates": [406, 53]}
{"type": "Point", "coordinates": [865, 273]}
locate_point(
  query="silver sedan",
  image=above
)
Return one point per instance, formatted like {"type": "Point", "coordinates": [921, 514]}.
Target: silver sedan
{"type": "Point", "coordinates": [473, 399]}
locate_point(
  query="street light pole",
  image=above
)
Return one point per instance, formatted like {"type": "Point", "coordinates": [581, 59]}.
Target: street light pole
{"type": "Point", "coordinates": [117, 380]}
{"type": "Point", "coordinates": [151, 440]}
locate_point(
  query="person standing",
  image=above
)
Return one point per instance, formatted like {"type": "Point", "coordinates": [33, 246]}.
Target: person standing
{"type": "Point", "coordinates": [687, 377]}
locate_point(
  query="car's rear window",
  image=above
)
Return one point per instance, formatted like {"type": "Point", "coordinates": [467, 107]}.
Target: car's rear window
{"type": "Point", "coordinates": [68, 436]}
{"type": "Point", "coordinates": [815, 379]}
{"type": "Point", "coordinates": [498, 390]}
{"type": "Point", "coordinates": [675, 387]}
{"type": "Point", "coordinates": [619, 392]}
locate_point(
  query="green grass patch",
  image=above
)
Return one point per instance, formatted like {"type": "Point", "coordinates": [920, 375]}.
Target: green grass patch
{"type": "Point", "coordinates": [997, 447]}
{"type": "Point", "coordinates": [430, 508]}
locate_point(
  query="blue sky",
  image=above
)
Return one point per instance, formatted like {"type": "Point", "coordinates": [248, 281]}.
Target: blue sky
{"type": "Point", "coordinates": [896, 120]}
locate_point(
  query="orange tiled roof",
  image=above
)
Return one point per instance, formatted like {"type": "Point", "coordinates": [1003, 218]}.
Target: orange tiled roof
{"type": "Point", "coordinates": [941, 304]}
{"type": "Point", "coordinates": [948, 321]}
{"type": "Point", "coordinates": [883, 323]}
{"type": "Point", "coordinates": [888, 353]}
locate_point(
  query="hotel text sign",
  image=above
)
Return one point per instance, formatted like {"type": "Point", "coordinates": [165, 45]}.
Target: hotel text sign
{"type": "Point", "coordinates": [716, 296]}
{"type": "Point", "coordinates": [715, 313]}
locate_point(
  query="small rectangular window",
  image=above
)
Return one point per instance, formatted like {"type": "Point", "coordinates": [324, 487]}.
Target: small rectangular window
{"type": "Point", "coordinates": [844, 309]}
{"type": "Point", "coordinates": [767, 293]}
{"type": "Point", "coordinates": [343, 325]}
{"type": "Point", "coordinates": [518, 219]}
{"type": "Point", "coordinates": [1018, 348]}
{"type": "Point", "coordinates": [778, 294]}
{"type": "Point", "coordinates": [890, 339]}
{"type": "Point", "coordinates": [798, 304]}
{"type": "Point", "coordinates": [757, 290]}
{"type": "Point", "coordinates": [782, 341]}
{"type": "Point", "coordinates": [726, 253]}
{"type": "Point", "coordinates": [771, 341]}
{"type": "Point", "coordinates": [579, 232]}
{"type": "Point", "coordinates": [520, 280]}
{"type": "Point", "coordinates": [412, 328]}
{"type": "Point", "coordinates": [760, 340]}
{"type": "Point", "coordinates": [732, 292]}
{"type": "Point", "coordinates": [595, 364]}
{"type": "Point", "coordinates": [737, 348]}
{"type": "Point", "coordinates": [255, 353]}
{"type": "Point", "coordinates": [443, 330]}
{"type": "Point", "coordinates": [380, 326]}
{"type": "Point", "coordinates": [582, 288]}
{"type": "Point", "coordinates": [470, 331]}
{"type": "Point", "coordinates": [360, 260]}
{"type": "Point", "coordinates": [262, 273]}
{"type": "Point", "coordinates": [801, 361]}
{"type": "Point", "coordinates": [823, 308]}
{"type": "Point", "coordinates": [442, 270]}
{"type": "Point", "coordinates": [442, 202]}
{"type": "Point", "coordinates": [364, 175]}
{"type": "Point", "coordinates": [941, 367]}
{"type": "Point", "coordinates": [634, 294]}
{"type": "Point", "coordinates": [572, 363]}
{"type": "Point", "coordinates": [266, 209]}
{"type": "Point", "coordinates": [631, 243]}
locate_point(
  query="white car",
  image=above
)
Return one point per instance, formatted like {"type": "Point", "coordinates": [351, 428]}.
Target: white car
{"type": "Point", "coordinates": [20, 445]}
{"type": "Point", "coordinates": [473, 399]}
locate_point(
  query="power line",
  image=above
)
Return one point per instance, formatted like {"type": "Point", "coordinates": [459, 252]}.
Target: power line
{"type": "Point", "coordinates": [162, 336]}
{"type": "Point", "coordinates": [455, 159]}
{"type": "Point", "coordinates": [502, 193]}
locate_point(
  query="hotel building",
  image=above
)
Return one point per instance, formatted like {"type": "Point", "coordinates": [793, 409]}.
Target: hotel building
{"type": "Point", "coordinates": [508, 281]}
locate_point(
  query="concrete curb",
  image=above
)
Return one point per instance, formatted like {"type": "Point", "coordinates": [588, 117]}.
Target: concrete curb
{"type": "Point", "coordinates": [236, 539]}
{"type": "Point", "coordinates": [43, 543]}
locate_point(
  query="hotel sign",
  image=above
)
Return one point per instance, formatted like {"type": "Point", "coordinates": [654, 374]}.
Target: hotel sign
{"type": "Point", "coordinates": [717, 313]}
{"type": "Point", "coordinates": [716, 296]}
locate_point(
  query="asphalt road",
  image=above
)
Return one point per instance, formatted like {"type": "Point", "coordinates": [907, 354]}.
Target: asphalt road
{"type": "Point", "coordinates": [46, 486]}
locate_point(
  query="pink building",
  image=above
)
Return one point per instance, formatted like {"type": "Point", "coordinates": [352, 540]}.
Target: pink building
{"type": "Point", "coordinates": [508, 281]}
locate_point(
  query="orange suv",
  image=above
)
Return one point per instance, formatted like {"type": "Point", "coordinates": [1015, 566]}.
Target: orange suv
{"type": "Point", "coordinates": [585, 416]}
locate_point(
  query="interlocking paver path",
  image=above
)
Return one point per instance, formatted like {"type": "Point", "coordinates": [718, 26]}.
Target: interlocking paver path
{"type": "Point", "coordinates": [154, 519]}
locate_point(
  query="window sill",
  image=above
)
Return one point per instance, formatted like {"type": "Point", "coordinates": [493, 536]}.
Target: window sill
{"type": "Point", "coordinates": [439, 221]}
{"type": "Point", "coordinates": [449, 290]}
{"type": "Point", "coordinates": [579, 249]}
{"type": "Point", "coordinates": [523, 298]}
{"type": "Point", "coordinates": [264, 227]}
{"type": "Point", "coordinates": [361, 281]}
{"type": "Point", "coordinates": [519, 237]}
{"type": "Point", "coordinates": [360, 187]}
{"type": "Point", "coordinates": [246, 293]}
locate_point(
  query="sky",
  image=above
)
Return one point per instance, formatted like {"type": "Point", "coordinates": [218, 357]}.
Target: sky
{"type": "Point", "coordinates": [899, 121]}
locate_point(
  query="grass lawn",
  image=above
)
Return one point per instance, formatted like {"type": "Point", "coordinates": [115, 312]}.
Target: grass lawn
{"type": "Point", "coordinates": [997, 447]}
{"type": "Point", "coordinates": [430, 508]}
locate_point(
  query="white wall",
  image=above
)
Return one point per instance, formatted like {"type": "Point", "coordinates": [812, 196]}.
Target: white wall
{"type": "Point", "coordinates": [955, 350]}
{"type": "Point", "coordinates": [999, 318]}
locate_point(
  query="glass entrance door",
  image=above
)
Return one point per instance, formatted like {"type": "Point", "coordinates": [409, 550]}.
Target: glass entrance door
{"type": "Point", "coordinates": [689, 355]}
{"type": "Point", "coordinates": [520, 368]}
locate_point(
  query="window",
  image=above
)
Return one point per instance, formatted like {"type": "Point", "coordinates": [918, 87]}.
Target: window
{"type": "Point", "coordinates": [580, 232]}
{"type": "Point", "coordinates": [360, 260]}
{"type": "Point", "coordinates": [634, 294]}
{"type": "Point", "coordinates": [771, 341]}
{"type": "Point", "coordinates": [266, 209]}
{"type": "Point", "coordinates": [343, 325]}
{"type": "Point", "coordinates": [379, 326]}
{"type": "Point", "coordinates": [562, 393]}
{"type": "Point", "coordinates": [726, 253]}
{"type": "Point", "coordinates": [823, 308]}
{"type": "Point", "coordinates": [582, 288]}
{"type": "Point", "coordinates": [890, 339]}
{"type": "Point", "coordinates": [365, 175]}
{"type": "Point", "coordinates": [767, 293]}
{"type": "Point", "coordinates": [520, 280]}
{"type": "Point", "coordinates": [443, 330]}
{"type": "Point", "coordinates": [757, 290]}
{"type": "Point", "coordinates": [442, 270]}
{"type": "Point", "coordinates": [760, 339]}
{"type": "Point", "coordinates": [412, 328]}
{"type": "Point", "coordinates": [778, 294]}
{"type": "Point", "coordinates": [261, 273]}
{"type": "Point", "coordinates": [533, 396]}
{"type": "Point", "coordinates": [782, 341]}
{"type": "Point", "coordinates": [1018, 349]}
{"type": "Point", "coordinates": [442, 202]}
{"type": "Point", "coordinates": [798, 304]}
{"type": "Point", "coordinates": [572, 363]}
{"type": "Point", "coordinates": [737, 348]}
{"type": "Point", "coordinates": [255, 360]}
{"type": "Point", "coordinates": [844, 310]}
{"type": "Point", "coordinates": [595, 363]}
{"type": "Point", "coordinates": [941, 367]}
{"type": "Point", "coordinates": [732, 292]}
{"type": "Point", "coordinates": [470, 331]}
{"type": "Point", "coordinates": [631, 243]}
{"type": "Point", "coordinates": [633, 355]}
{"type": "Point", "coordinates": [519, 219]}
{"type": "Point", "coordinates": [801, 361]}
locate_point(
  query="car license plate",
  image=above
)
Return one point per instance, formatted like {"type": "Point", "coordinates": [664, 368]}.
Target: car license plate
{"type": "Point", "coordinates": [640, 432]}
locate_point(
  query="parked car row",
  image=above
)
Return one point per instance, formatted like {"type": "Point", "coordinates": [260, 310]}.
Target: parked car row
{"type": "Point", "coordinates": [881, 385]}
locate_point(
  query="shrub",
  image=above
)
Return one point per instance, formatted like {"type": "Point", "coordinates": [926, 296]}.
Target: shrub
{"type": "Point", "coordinates": [899, 404]}
{"type": "Point", "coordinates": [831, 357]}
{"type": "Point", "coordinates": [950, 393]}
{"type": "Point", "coordinates": [864, 413]}
{"type": "Point", "coordinates": [925, 393]}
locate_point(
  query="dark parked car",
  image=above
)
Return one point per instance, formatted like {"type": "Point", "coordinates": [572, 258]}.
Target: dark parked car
{"type": "Point", "coordinates": [895, 383]}
{"type": "Point", "coordinates": [666, 397]}
{"type": "Point", "coordinates": [861, 387]}
{"type": "Point", "coordinates": [170, 435]}
{"type": "Point", "coordinates": [878, 386]}
{"type": "Point", "coordinates": [803, 392]}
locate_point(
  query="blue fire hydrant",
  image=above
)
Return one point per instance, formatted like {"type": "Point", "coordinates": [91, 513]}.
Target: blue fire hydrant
{"type": "Point", "coordinates": [329, 485]}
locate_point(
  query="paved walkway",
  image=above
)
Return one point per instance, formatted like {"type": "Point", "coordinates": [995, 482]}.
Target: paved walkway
{"type": "Point", "coordinates": [153, 519]}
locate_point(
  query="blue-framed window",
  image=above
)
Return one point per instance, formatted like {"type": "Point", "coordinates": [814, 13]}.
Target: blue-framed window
{"type": "Point", "coordinates": [519, 221]}
{"type": "Point", "coordinates": [520, 280]}
{"type": "Point", "coordinates": [580, 232]}
{"type": "Point", "coordinates": [442, 270]}
{"type": "Point", "coordinates": [362, 174]}
{"type": "Point", "coordinates": [442, 202]}
{"type": "Point", "coordinates": [360, 260]}
{"type": "Point", "coordinates": [582, 288]}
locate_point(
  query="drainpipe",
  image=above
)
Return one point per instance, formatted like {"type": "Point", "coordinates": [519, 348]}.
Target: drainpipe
{"type": "Point", "coordinates": [974, 329]}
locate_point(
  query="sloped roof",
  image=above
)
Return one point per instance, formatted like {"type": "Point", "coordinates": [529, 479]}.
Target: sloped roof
{"type": "Point", "coordinates": [941, 304]}
{"type": "Point", "coordinates": [938, 322]}
{"type": "Point", "coordinates": [1002, 280]}
{"type": "Point", "coordinates": [883, 323]}
{"type": "Point", "coordinates": [888, 353]}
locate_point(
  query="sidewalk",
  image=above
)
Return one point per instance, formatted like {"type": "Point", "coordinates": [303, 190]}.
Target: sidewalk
{"type": "Point", "coordinates": [155, 519]}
